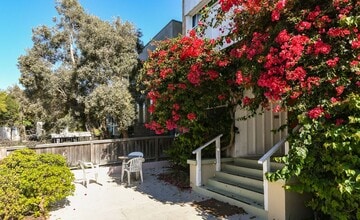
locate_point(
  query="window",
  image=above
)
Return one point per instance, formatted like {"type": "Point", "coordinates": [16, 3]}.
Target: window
{"type": "Point", "coordinates": [195, 20]}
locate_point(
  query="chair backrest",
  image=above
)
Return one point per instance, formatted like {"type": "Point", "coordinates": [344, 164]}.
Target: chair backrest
{"type": "Point", "coordinates": [135, 164]}
{"type": "Point", "coordinates": [82, 165]}
{"type": "Point", "coordinates": [135, 154]}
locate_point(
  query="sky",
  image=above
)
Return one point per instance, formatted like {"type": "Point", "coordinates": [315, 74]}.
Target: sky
{"type": "Point", "coordinates": [19, 17]}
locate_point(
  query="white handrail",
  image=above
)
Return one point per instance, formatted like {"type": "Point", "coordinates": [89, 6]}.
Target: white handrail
{"type": "Point", "coordinates": [198, 158]}
{"type": "Point", "coordinates": [265, 161]}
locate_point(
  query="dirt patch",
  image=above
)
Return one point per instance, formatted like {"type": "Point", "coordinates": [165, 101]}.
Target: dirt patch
{"type": "Point", "coordinates": [217, 208]}
{"type": "Point", "coordinates": [180, 179]}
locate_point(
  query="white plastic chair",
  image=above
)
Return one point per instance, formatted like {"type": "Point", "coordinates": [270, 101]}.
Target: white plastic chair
{"type": "Point", "coordinates": [133, 166]}
{"type": "Point", "coordinates": [135, 154]}
{"type": "Point", "coordinates": [90, 171]}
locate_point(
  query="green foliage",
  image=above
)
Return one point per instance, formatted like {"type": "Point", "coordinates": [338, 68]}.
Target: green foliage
{"type": "Point", "coordinates": [30, 183]}
{"type": "Point", "coordinates": [100, 105]}
{"type": "Point", "coordinates": [325, 156]}
{"type": "Point", "coordinates": [9, 109]}
{"type": "Point", "coordinates": [201, 132]}
{"type": "Point", "coordinates": [3, 101]}
{"type": "Point", "coordinates": [69, 61]}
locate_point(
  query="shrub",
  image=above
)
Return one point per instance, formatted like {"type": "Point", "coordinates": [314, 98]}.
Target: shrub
{"type": "Point", "coordinates": [30, 183]}
{"type": "Point", "coordinates": [326, 159]}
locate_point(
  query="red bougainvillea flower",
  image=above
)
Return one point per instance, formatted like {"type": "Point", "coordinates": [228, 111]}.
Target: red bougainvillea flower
{"type": "Point", "coordinates": [191, 116]}
{"type": "Point", "coordinates": [316, 112]}
{"type": "Point", "coordinates": [170, 125]}
{"type": "Point", "coordinates": [176, 106]}
{"type": "Point", "coordinates": [171, 87]}
{"type": "Point", "coordinates": [175, 117]}
{"type": "Point", "coordinates": [213, 74]}
{"type": "Point", "coordinates": [151, 109]}
{"type": "Point", "coordinates": [181, 86]}
{"type": "Point", "coordinates": [183, 130]}
{"type": "Point", "coordinates": [239, 77]}
{"type": "Point", "coordinates": [321, 48]}
{"type": "Point", "coordinates": [355, 44]}
{"type": "Point", "coordinates": [277, 108]}
{"type": "Point", "coordinates": [303, 25]}
{"type": "Point", "coordinates": [339, 90]}
{"type": "Point", "coordinates": [153, 125]}
{"type": "Point", "coordinates": [339, 121]}
{"type": "Point", "coordinates": [332, 62]}
{"type": "Point", "coordinates": [275, 15]}
{"type": "Point", "coordinates": [221, 97]}
{"type": "Point", "coordinates": [246, 101]}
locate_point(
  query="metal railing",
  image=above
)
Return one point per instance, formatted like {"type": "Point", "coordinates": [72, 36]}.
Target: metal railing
{"type": "Point", "coordinates": [198, 158]}
{"type": "Point", "coordinates": [265, 161]}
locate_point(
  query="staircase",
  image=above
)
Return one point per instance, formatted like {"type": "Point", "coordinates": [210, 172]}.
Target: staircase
{"type": "Point", "coordinates": [240, 183]}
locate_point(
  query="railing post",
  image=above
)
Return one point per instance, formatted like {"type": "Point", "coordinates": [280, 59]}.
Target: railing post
{"type": "Point", "coordinates": [198, 168]}
{"type": "Point", "coordinates": [156, 149]}
{"type": "Point", "coordinates": [266, 168]}
{"type": "Point", "coordinates": [217, 154]}
{"type": "Point", "coordinates": [286, 147]}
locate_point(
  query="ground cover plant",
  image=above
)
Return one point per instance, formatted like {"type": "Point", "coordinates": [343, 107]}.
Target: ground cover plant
{"type": "Point", "coordinates": [30, 183]}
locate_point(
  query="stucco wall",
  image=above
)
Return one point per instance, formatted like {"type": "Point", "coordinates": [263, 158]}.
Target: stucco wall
{"type": "Point", "coordinates": [284, 204]}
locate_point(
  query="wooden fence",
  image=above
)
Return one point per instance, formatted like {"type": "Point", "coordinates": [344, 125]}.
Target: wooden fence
{"type": "Point", "coordinates": [106, 152]}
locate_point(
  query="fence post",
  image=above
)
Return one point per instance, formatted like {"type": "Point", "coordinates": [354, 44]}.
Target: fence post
{"type": "Point", "coordinates": [3, 152]}
{"type": "Point", "coordinates": [156, 149]}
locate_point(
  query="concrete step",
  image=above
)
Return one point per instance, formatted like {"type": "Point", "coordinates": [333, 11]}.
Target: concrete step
{"type": "Point", "coordinates": [240, 181]}
{"type": "Point", "coordinates": [249, 206]}
{"type": "Point", "coordinates": [233, 190]}
{"type": "Point", "coordinates": [253, 163]}
{"type": "Point", "coordinates": [242, 171]}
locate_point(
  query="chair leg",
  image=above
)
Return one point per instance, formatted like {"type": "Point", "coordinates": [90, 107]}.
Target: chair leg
{"type": "Point", "coordinates": [122, 174]}
{"type": "Point", "coordinates": [96, 177]}
{"type": "Point", "coordinates": [129, 174]}
{"type": "Point", "coordinates": [141, 176]}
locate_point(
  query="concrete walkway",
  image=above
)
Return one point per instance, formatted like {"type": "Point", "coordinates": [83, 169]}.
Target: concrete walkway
{"type": "Point", "coordinates": [109, 199]}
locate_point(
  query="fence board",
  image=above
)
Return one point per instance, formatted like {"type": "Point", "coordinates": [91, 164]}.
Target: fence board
{"type": "Point", "coordinates": [106, 152]}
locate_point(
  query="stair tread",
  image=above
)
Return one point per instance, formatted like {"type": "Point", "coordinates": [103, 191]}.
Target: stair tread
{"type": "Point", "coordinates": [253, 163]}
{"type": "Point", "coordinates": [257, 177]}
{"type": "Point", "coordinates": [238, 184]}
{"type": "Point", "coordinates": [258, 211]}
{"type": "Point", "coordinates": [234, 196]}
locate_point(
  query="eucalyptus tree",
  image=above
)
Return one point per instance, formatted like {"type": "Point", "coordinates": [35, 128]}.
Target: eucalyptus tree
{"type": "Point", "coordinates": [70, 60]}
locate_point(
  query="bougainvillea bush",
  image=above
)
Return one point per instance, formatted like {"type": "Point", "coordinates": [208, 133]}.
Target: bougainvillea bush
{"type": "Point", "coordinates": [187, 86]}
{"type": "Point", "coordinates": [305, 56]}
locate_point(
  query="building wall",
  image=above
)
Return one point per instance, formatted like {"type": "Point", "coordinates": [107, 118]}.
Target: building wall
{"type": "Point", "coordinates": [171, 30]}
{"type": "Point", "coordinates": [11, 134]}
{"type": "Point", "coordinates": [255, 135]}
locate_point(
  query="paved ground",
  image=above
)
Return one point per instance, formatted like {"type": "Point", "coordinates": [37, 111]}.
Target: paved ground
{"type": "Point", "coordinates": [109, 199]}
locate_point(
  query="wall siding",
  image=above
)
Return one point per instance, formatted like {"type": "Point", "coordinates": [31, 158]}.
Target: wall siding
{"type": "Point", "coordinates": [255, 137]}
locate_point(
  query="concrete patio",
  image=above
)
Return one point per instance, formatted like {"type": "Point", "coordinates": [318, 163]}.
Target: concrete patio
{"type": "Point", "coordinates": [152, 199]}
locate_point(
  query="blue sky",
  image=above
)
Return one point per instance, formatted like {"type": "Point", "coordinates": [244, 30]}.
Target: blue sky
{"type": "Point", "coordinates": [18, 17]}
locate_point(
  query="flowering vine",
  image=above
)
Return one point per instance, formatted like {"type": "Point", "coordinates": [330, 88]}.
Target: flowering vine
{"type": "Point", "coordinates": [184, 77]}
{"type": "Point", "coordinates": [305, 55]}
